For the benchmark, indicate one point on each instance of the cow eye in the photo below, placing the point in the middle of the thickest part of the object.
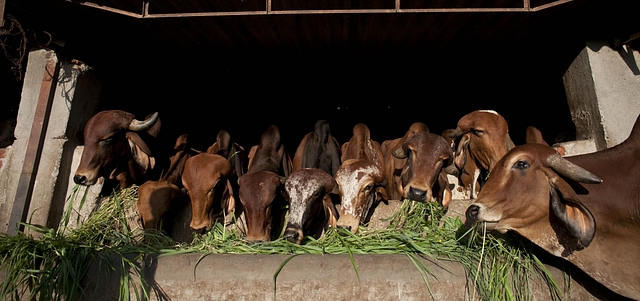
(367, 188)
(106, 140)
(521, 164)
(477, 132)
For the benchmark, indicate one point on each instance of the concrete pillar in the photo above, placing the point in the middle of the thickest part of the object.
(57, 99)
(603, 91)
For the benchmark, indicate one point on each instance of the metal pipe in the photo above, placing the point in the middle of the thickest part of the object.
(526, 7)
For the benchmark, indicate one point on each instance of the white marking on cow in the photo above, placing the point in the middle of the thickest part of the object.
(351, 183)
(299, 190)
(489, 111)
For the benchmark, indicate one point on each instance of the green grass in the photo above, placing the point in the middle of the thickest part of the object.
(52, 266)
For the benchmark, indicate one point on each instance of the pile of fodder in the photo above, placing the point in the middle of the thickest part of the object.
(51, 267)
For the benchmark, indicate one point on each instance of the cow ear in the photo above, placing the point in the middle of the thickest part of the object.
(443, 182)
(399, 153)
(214, 148)
(140, 152)
(566, 205)
(229, 200)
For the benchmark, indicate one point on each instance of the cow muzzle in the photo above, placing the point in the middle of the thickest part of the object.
(85, 179)
(348, 222)
(418, 195)
(473, 215)
(294, 235)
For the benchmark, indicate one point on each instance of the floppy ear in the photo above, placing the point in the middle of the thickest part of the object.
(330, 211)
(214, 148)
(443, 182)
(140, 152)
(566, 205)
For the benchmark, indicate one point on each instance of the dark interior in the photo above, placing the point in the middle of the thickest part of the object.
(388, 70)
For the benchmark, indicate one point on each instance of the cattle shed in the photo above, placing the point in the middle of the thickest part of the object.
(568, 67)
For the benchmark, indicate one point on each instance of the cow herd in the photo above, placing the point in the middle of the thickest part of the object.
(581, 208)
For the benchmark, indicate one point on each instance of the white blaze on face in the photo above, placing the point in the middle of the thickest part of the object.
(351, 183)
(300, 190)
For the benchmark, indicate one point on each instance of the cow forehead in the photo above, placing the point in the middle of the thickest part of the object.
(301, 185)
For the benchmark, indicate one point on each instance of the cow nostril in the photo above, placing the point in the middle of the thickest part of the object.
(472, 212)
(417, 194)
(79, 179)
(348, 228)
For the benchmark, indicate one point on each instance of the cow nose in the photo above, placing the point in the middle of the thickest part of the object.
(293, 237)
(348, 228)
(80, 179)
(417, 194)
(472, 212)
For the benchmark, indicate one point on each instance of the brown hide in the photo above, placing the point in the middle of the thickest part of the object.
(311, 210)
(360, 178)
(393, 166)
(114, 148)
(261, 199)
(581, 208)
(422, 176)
(484, 139)
(226, 147)
(155, 197)
(261, 187)
(318, 149)
(205, 179)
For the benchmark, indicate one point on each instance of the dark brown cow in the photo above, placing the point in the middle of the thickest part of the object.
(205, 178)
(360, 178)
(155, 197)
(261, 187)
(311, 210)
(423, 177)
(581, 208)
(116, 146)
(393, 165)
(484, 139)
(318, 149)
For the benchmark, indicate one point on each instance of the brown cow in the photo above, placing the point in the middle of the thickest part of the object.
(205, 178)
(484, 139)
(318, 149)
(311, 210)
(155, 197)
(261, 187)
(423, 178)
(393, 165)
(360, 178)
(116, 146)
(582, 208)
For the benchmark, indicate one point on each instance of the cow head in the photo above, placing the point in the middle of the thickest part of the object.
(426, 154)
(154, 200)
(360, 182)
(260, 195)
(487, 137)
(310, 207)
(527, 193)
(205, 179)
(112, 145)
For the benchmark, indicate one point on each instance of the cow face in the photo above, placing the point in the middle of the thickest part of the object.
(154, 200)
(310, 207)
(425, 154)
(110, 145)
(526, 195)
(205, 179)
(488, 138)
(260, 195)
(360, 182)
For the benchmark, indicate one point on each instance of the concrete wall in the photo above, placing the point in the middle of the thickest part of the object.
(603, 91)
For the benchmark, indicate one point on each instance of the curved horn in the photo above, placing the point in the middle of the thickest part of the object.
(571, 170)
(137, 125)
(456, 133)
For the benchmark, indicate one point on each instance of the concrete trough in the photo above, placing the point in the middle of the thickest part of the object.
(309, 277)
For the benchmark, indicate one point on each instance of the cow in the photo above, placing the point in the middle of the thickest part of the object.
(581, 208)
(394, 165)
(423, 178)
(155, 197)
(205, 177)
(318, 149)
(483, 138)
(120, 147)
(360, 179)
(311, 209)
(261, 187)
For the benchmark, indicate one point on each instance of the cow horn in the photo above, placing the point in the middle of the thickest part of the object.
(137, 125)
(571, 170)
(456, 133)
